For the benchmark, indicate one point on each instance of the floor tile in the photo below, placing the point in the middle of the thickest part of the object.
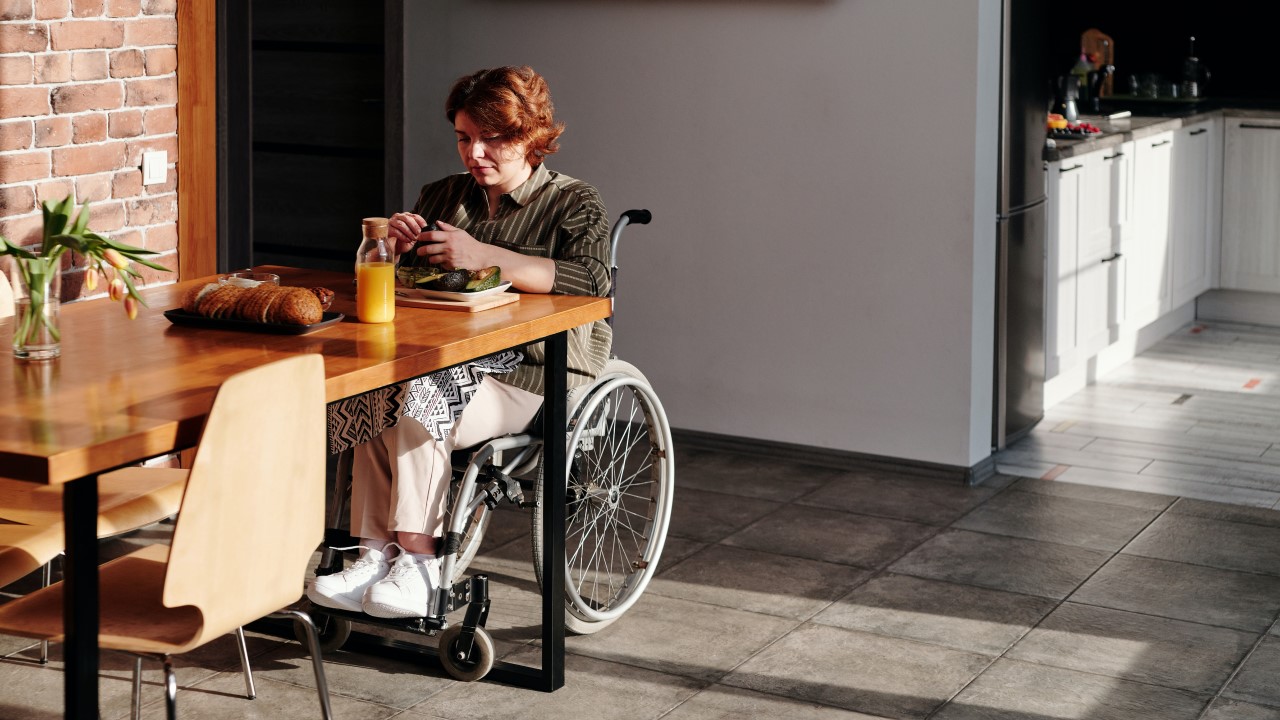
(1069, 521)
(720, 702)
(1227, 709)
(1206, 541)
(394, 683)
(1012, 690)
(1221, 511)
(864, 541)
(753, 476)
(1227, 598)
(1002, 563)
(1130, 646)
(1113, 496)
(962, 617)
(859, 671)
(222, 696)
(1181, 487)
(1256, 681)
(680, 637)
(750, 579)
(592, 688)
(923, 501)
(710, 516)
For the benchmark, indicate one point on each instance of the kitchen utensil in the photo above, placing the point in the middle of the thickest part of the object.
(1195, 75)
(1068, 93)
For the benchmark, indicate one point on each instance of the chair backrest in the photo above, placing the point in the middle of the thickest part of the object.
(253, 512)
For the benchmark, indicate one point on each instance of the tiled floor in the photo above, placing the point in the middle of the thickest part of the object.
(1198, 416)
(808, 593)
(814, 594)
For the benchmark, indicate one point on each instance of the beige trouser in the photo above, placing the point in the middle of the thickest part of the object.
(400, 479)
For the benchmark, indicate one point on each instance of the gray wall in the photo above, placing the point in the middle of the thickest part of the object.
(822, 180)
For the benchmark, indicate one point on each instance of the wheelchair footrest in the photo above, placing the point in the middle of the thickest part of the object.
(419, 626)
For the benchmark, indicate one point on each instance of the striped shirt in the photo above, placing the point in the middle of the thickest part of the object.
(550, 215)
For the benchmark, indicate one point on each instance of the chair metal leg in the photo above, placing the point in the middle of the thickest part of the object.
(46, 579)
(137, 688)
(249, 691)
(317, 661)
(170, 690)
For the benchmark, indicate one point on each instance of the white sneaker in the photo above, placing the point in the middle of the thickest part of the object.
(407, 589)
(345, 590)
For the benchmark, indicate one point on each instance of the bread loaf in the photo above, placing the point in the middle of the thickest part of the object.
(264, 303)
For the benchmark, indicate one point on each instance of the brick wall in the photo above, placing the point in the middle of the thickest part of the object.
(86, 87)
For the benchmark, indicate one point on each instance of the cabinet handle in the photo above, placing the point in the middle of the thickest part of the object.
(1162, 142)
(1201, 131)
(1113, 157)
(1115, 256)
(1067, 170)
(1253, 126)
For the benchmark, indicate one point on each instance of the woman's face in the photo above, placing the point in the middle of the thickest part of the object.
(493, 162)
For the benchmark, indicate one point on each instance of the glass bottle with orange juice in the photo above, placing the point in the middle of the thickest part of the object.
(375, 274)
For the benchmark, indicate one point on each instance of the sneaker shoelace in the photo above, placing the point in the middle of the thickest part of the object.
(403, 566)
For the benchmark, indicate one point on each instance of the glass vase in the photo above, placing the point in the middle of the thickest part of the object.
(37, 290)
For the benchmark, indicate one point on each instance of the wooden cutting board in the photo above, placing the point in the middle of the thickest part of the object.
(487, 302)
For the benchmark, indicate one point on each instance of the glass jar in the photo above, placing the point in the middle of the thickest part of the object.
(375, 274)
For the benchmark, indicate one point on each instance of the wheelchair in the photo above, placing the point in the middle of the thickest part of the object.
(619, 484)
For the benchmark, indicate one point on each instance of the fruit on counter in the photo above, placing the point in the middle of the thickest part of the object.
(1057, 121)
(451, 281)
(485, 279)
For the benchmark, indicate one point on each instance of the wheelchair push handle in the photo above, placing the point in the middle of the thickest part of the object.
(637, 217)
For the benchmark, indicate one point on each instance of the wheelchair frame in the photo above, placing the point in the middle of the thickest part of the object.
(466, 651)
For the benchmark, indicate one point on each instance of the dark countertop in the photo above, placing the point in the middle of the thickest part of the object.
(1115, 132)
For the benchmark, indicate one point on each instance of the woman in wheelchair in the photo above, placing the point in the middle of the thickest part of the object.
(548, 233)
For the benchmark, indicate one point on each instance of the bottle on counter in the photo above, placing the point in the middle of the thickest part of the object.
(375, 274)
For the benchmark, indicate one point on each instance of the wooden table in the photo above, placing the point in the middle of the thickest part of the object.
(124, 391)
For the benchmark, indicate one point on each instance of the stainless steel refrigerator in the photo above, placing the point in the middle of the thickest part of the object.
(1025, 95)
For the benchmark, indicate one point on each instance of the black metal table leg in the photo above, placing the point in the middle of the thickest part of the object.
(555, 464)
(80, 598)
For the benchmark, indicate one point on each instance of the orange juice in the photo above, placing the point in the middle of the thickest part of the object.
(375, 292)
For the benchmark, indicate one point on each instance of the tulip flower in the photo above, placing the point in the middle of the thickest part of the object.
(91, 279)
(117, 289)
(113, 256)
(130, 306)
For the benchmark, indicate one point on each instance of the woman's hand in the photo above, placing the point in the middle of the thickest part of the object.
(404, 228)
(453, 248)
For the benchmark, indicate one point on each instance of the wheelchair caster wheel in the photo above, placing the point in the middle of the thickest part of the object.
(460, 665)
(334, 632)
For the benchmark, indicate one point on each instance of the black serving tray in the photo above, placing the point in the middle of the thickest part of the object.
(178, 316)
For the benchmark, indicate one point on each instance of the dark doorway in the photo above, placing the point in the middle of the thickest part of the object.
(311, 110)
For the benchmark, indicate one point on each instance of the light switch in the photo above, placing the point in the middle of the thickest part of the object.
(155, 165)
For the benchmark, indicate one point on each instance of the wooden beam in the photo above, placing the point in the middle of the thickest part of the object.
(197, 138)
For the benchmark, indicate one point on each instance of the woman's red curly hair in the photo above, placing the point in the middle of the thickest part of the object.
(512, 102)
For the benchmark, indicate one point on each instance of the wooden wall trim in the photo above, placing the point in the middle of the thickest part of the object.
(197, 165)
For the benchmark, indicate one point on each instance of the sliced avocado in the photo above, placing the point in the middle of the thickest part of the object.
(451, 281)
(428, 275)
(485, 279)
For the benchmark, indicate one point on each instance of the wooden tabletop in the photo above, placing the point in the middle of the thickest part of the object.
(127, 390)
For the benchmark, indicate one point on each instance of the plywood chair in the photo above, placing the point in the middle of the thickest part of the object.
(251, 517)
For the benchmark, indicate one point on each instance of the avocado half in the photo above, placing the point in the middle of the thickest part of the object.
(484, 279)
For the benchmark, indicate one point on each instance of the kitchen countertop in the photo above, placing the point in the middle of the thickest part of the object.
(1115, 132)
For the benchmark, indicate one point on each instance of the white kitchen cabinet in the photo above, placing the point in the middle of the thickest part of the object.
(1193, 218)
(1089, 201)
(1251, 205)
(1100, 266)
(1065, 192)
(1145, 240)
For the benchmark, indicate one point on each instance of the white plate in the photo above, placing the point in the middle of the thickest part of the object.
(443, 295)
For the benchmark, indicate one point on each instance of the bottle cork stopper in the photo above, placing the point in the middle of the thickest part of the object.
(375, 227)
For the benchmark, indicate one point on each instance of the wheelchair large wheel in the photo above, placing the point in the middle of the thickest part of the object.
(620, 482)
